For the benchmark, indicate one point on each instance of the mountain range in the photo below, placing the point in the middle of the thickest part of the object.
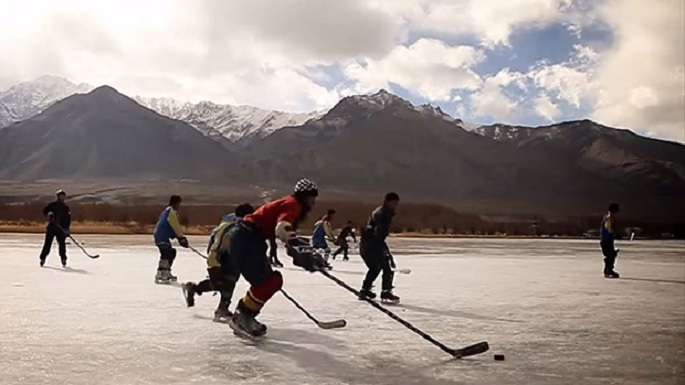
(364, 146)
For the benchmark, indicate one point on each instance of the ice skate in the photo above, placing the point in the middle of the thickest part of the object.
(42, 262)
(245, 324)
(172, 278)
(366, 294)
(276, 263)
(189, 293)
(162, 277)
(611, 274)
(222, 315)
(64, 264)
(388, 297)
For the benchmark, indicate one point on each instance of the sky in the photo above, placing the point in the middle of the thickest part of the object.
(531, 62)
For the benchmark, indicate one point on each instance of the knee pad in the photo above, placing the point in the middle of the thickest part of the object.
(264, 291)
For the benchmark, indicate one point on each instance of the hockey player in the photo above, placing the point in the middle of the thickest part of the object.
(607, 234)
(59, 221)
(247, 252)
(168, 227)
(341, 241)
(322, 233)
(220, 279)
(374, 250)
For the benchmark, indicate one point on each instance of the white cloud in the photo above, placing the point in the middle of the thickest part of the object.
(491, 101)
(492, 21)
(194, 50)
(546, 108)
(429, 68)
(641, 75)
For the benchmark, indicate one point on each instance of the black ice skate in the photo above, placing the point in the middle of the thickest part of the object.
(388, 297)
(162, 277)
(366, 294)
(244, 324)
(276, 263)
(189, 293)
(222, 315)
(42, 262)
(611, 274)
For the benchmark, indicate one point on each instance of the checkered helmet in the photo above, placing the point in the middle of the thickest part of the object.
(306, 187)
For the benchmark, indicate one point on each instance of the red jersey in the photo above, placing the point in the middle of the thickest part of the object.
(286, 209)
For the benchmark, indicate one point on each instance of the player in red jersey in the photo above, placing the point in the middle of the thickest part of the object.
(247, 255)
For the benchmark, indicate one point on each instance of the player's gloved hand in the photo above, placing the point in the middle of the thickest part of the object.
(183, 241)
(51, 217)
(391, 260)
(303, 254)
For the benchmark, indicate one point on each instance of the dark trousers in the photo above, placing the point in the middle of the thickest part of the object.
(222, 281)
(610, 255)
(51, 233)
(247, 257)
(342, 247)
(376, 260)
(167, 254)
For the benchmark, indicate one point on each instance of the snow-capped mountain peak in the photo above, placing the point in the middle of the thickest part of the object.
(29, 98)
(237, 124)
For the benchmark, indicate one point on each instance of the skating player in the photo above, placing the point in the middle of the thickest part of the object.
(607, 234)
(375, 252)
(341, 241)
(220, 279)
(59, 221)
(323, 232)
(247, 252)
(168, 227)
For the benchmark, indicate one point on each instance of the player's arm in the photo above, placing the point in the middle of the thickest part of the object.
(327, 229)
(175, 223)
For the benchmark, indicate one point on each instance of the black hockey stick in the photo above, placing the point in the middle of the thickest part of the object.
(471, 350)
(341, 323)
(77, 243)
(197, 252)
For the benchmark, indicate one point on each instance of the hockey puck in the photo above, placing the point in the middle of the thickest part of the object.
(499, 357)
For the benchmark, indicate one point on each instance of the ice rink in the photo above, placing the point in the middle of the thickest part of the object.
(542, 303)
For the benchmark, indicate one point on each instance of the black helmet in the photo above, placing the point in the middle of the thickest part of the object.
(243, 209)
(60, 192)
(306, 187)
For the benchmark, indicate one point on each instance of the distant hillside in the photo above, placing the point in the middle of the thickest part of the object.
(104, 134)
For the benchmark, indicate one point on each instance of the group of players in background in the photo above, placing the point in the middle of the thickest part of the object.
(238, 247)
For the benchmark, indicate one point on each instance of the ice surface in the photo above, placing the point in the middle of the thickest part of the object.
(542, 303)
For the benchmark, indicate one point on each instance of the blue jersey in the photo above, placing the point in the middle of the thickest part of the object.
(168, 226)
(606, 228)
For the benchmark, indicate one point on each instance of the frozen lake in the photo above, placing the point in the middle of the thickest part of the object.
(542, 303)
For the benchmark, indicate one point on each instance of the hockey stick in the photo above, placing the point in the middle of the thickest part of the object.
(197, 252)
(471, 350)
(77, 243)
(402, 271)
(341, 323)
(322, 324)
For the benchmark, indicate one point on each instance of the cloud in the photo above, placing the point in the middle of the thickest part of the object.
(493, 22)
(224, 51)
(429, 68)
(491, 101)
(546, 108)
(641, 75)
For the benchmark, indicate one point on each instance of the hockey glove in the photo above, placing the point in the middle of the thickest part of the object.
(303, 255)
(391, 260)
(183, 241)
